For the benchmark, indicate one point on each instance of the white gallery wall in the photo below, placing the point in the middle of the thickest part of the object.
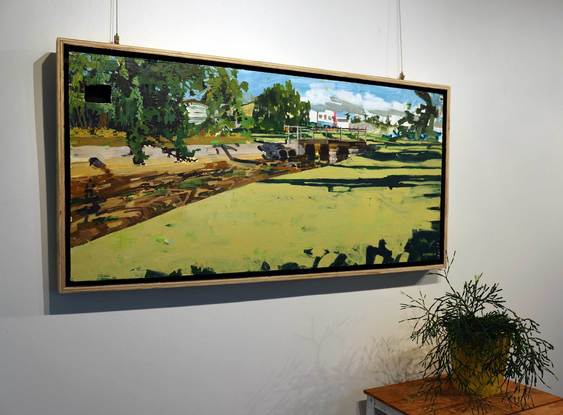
(280, 348)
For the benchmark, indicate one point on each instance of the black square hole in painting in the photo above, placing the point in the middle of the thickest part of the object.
(97, 93)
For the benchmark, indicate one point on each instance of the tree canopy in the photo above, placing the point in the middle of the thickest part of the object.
(150, 100)
(279, 105)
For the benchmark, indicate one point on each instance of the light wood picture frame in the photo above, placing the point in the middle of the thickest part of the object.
(177, 169)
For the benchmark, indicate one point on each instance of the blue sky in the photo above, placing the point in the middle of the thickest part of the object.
(319, 91)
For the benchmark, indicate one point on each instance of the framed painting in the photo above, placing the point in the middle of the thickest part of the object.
(178, 169)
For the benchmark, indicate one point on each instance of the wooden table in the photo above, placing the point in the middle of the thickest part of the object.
(406, 399)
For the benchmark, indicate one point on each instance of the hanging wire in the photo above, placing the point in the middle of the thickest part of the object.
(116, 36)
(400, 27)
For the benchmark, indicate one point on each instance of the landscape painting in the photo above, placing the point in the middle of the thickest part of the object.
(177, 169)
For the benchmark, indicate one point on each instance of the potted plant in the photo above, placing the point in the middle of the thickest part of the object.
(476, 343)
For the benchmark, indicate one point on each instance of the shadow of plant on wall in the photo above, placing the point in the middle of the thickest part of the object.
(397, 360)
(329, 380)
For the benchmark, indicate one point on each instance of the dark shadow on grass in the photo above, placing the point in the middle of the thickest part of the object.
(429, 145)
(385, 167)
(391, 181)
(432, 195)
(404, 156)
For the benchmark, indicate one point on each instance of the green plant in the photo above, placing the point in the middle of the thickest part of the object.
(492, 337)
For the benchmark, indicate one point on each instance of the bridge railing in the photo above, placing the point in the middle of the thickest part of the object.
(299, 132)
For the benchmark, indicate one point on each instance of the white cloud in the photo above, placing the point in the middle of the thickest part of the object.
(348, 96)
(319, 94)
(370, 103)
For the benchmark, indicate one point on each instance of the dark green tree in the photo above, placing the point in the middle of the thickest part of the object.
(419, 125)
(224, 100)
(86, 69)
(150, 101)
(151, 105)
(280, 105)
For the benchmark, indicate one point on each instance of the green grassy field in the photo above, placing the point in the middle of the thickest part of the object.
(341, 208)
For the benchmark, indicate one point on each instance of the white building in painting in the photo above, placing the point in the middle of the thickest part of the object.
(342, 121)
(325, 118)
(393, 119)
(354, 116)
